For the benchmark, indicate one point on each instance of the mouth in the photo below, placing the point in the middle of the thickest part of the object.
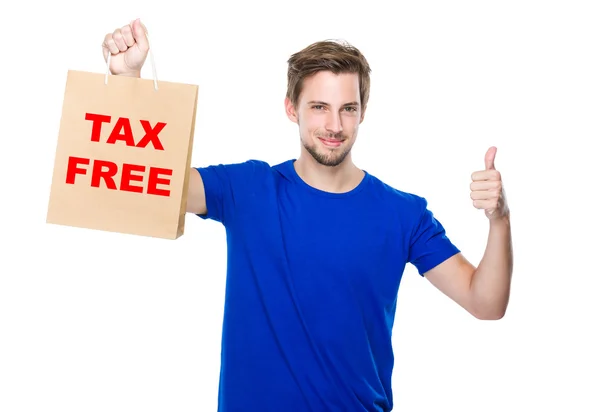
(331, 142)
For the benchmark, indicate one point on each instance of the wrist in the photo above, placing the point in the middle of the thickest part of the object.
(501, 221)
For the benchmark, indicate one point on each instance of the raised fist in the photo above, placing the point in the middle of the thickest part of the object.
(129, 47)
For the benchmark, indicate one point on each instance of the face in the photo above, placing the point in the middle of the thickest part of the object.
(328, 115)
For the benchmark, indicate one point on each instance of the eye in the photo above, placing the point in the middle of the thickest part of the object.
(351, 108)
(318, 107)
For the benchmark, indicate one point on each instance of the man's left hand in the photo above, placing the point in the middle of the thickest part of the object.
(487, 190)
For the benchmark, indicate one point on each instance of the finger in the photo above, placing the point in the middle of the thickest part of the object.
(486, 185)
(485, 204)
(127, 34)
(489, 158)
(139, 35)
(109, 44)
(118, 39)
(485, 195)
(486, 175)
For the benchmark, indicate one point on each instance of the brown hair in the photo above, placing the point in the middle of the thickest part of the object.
(328, 55)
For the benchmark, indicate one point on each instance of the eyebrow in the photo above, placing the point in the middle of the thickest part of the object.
(327, 104)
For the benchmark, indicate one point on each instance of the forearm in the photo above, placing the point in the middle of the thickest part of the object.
(490, 285)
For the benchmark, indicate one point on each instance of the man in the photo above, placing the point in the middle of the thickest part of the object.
(317, 248)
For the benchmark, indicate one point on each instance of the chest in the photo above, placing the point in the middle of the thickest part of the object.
(343, 249)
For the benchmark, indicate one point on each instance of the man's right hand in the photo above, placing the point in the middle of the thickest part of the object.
(129, 48)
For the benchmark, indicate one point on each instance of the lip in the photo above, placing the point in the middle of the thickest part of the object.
(331, 142)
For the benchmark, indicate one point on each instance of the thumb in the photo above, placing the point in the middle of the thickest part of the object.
(489, 158)
(140, 35)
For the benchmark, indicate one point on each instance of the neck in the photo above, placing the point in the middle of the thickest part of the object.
(334, 179)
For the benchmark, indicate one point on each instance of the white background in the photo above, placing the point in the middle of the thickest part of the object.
(93, 321)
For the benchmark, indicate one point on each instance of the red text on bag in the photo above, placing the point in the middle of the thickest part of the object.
(105, 170)
(122, 131)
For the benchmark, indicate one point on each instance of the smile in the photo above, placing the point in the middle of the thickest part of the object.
(331, 142)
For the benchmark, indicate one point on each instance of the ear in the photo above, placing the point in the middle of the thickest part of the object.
(290, 110)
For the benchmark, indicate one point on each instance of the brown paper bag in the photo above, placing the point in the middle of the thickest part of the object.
(123, 155)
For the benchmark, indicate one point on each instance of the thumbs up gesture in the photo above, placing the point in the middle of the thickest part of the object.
(487, 190)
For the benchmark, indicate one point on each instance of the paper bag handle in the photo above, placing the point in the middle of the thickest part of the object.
(151, 63)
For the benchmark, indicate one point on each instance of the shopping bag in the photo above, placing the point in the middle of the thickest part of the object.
(123, 155)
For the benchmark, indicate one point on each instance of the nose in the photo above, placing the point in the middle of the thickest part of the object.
(334, 123)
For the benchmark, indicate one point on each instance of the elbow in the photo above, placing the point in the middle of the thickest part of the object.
(489, 308)
(491, 316)
(489, 313)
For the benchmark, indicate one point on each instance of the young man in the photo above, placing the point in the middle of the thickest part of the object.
(317, 247)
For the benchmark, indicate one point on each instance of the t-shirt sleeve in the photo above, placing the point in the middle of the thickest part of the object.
(429, 244)
(223, 187)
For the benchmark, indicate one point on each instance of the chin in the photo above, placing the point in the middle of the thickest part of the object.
(327, 156)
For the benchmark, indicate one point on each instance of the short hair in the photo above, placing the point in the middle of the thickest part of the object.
(336, 56)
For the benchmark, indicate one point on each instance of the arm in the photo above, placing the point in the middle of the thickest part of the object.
(483, 290)
(196, 201)
(219, 192)
(490, 285)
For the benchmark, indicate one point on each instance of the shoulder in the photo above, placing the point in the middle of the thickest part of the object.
(251, 165)
(397, 198)
(244, 171)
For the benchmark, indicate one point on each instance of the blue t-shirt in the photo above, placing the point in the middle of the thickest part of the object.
(312, 282)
